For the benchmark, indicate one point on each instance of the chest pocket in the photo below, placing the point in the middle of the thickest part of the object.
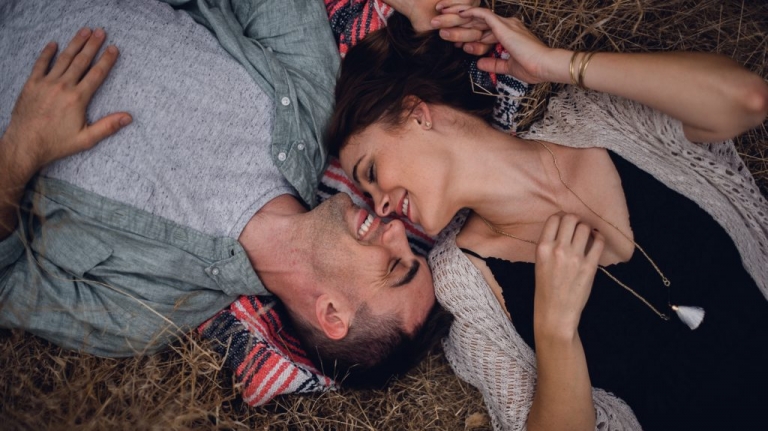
(70, 247)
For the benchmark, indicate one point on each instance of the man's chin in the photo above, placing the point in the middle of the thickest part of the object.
(340, 202)
(337, 210)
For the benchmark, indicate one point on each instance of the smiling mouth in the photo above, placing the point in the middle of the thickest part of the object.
(365, 226)
(405, 207)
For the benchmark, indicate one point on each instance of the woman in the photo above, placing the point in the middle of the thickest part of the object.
(602, 183)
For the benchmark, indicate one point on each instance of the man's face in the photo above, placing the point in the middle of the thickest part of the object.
(369, 261)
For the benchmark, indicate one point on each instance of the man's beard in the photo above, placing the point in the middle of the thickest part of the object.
(328, 235)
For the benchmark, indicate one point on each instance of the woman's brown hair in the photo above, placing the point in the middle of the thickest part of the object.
(390, 64)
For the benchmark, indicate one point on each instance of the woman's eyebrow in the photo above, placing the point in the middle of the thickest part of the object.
(354, 171)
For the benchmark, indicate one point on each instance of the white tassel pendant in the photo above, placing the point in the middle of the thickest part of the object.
(691, 316)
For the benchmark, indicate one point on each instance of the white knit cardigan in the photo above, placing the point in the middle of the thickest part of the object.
(483, 346)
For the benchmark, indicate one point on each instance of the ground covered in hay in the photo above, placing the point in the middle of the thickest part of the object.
(44, 387)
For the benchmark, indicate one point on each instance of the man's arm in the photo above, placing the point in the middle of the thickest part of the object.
(48, 121)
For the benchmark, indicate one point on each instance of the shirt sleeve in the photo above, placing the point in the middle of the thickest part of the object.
(288, 49)
(11, 249)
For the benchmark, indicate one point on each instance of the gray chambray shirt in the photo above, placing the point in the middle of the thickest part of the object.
(94, 274)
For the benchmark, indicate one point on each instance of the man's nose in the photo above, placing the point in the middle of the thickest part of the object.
(394, 237)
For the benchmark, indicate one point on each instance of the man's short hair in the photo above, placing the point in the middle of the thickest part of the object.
(375, 349)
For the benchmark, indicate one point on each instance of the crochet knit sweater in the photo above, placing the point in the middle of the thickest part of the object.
(483, 346)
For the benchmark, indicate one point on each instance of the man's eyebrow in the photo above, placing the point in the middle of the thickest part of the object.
(409, 276)
(354, 170)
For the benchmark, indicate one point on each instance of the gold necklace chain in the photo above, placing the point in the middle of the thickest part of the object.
(664, 279)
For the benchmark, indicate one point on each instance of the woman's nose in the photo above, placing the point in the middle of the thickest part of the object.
(383, 208)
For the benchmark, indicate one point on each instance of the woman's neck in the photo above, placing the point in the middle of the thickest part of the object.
(506, 180)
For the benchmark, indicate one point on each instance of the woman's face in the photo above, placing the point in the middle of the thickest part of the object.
(404, 170)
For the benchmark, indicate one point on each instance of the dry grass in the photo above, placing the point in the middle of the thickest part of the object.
(44, 387)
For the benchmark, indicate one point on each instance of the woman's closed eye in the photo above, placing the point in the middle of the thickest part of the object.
(371, 176)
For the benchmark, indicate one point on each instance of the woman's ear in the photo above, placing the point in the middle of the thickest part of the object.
(420, 112)
(333, 317)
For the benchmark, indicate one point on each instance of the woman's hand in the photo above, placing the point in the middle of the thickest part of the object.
(48, 121)
(713, 96)
(530, 60)
(566, 261)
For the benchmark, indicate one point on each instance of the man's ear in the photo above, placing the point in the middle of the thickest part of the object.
(333, 317)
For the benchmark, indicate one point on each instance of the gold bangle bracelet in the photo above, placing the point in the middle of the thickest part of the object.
(583, 68)
(572, 69)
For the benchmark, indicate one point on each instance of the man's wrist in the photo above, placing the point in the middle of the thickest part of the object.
(18, 163)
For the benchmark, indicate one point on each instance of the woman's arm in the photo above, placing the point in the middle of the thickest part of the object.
(48, 121)
(485, 351)
(566, 261)
(713, 96)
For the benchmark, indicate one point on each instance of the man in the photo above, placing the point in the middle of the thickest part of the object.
(123, 245)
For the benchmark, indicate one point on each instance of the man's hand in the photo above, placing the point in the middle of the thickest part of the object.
(422, 12)
(464, 32)
(48, 121)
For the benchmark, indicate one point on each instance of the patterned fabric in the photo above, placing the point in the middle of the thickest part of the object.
(253, 334)
(260, 349)
(351, 20)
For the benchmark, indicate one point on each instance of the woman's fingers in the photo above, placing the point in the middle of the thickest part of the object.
(582, 237)
(567, 229)
(98, 73)
(477, 48)
(493, 65)
(596, 249)
(551, 226)
(493, 21)
(65, 58)
(82, 61)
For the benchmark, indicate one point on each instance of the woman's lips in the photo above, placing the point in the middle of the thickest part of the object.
(404, 207)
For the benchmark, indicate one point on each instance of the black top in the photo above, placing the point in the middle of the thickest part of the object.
(715, 377)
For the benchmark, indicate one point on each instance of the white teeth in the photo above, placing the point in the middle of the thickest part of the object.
(405, 207)
(365, 226)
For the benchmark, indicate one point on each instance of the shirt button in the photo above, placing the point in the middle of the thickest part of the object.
(281, 157)
(285, 101)
(269, 48)
(215, 271)
(300, 147)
